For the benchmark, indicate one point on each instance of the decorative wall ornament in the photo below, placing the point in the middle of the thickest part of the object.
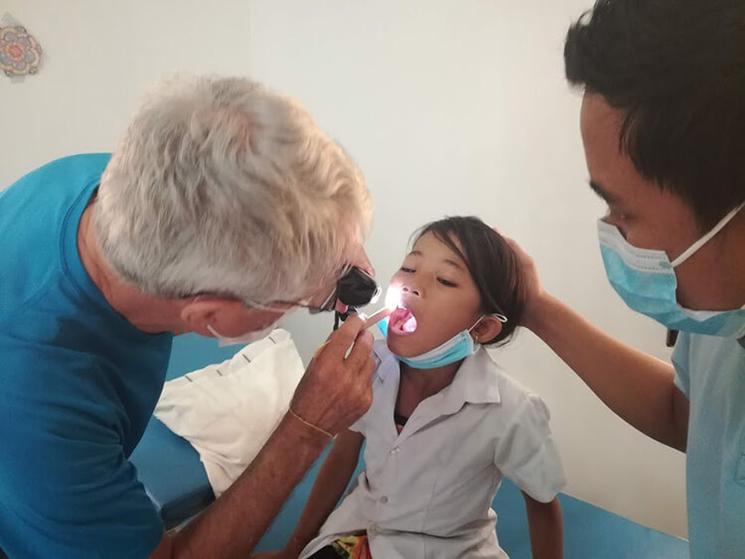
(20, 52)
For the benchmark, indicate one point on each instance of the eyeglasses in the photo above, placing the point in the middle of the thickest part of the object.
(354, 288)
(329, 304)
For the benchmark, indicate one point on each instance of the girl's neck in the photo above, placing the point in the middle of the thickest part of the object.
(427, 382)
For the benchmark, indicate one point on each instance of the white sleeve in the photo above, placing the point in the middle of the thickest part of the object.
(680, 359)
(360, 425)
(527, 455)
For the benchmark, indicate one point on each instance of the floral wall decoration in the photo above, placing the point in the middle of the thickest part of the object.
(20, 52)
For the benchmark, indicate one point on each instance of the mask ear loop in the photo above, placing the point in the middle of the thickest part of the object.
(500, 317)
(210, 328)
(706, 238)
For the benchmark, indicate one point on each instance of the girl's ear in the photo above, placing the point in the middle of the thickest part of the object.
(487, 329)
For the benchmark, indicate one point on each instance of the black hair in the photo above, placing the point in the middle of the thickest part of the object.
(492, 263)
(676, 71)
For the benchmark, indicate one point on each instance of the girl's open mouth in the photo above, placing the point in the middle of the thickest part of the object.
(402, 322)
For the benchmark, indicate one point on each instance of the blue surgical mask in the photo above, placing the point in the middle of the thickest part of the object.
(453, 350)
(645, 279)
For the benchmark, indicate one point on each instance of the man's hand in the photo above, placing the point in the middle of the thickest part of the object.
(637, 387)
(336, 389)
(535, 295)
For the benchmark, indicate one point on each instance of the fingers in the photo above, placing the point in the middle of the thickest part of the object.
(360, 352)
(516, 247)
(372, 366)
(513, 245)
(340, 341)
(524, 259)
(510, 241)
(320, 349)
(376, 317)
(337, 387)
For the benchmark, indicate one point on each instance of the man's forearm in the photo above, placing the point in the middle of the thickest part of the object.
(332, 480)
(233, 524)
(636, 386)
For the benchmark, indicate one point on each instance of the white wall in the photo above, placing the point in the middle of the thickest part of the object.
(100, 56)
(449, 108)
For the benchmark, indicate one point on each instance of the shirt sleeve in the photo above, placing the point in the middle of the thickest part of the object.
(360, 426)
(680, 362)
(66, 488)
(527, 455)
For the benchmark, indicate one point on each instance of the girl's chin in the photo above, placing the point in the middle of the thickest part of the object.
(404, 346)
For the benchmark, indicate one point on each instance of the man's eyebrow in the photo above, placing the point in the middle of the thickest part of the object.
(604, 194)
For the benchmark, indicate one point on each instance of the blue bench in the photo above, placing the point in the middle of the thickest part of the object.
(177, 483)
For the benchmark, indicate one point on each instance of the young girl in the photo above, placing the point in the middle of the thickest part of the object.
(446, 422)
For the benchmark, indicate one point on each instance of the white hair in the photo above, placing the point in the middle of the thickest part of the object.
(221, 186)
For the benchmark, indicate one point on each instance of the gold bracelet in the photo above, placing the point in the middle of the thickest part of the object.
(309, 424)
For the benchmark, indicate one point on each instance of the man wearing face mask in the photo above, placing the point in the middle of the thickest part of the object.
(222, 208)
(663, 125)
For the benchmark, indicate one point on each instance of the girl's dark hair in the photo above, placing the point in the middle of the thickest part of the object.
(492, 263)
(676, 71)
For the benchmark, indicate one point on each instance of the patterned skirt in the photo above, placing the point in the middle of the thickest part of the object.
(346, 547)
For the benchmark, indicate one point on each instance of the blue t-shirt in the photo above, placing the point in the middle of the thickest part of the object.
(710, 371)
(78, 383)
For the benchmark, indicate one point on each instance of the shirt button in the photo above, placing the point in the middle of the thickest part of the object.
(372, 528)
(384, 499)
(395, 450)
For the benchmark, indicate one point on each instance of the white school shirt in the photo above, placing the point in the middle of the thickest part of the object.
(427, 492)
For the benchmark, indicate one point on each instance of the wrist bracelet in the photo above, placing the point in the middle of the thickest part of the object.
(309, 424)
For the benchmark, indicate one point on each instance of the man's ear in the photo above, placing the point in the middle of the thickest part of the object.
(201, 312)
(487, 329)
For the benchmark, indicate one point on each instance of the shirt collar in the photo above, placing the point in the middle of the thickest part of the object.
(476, 382)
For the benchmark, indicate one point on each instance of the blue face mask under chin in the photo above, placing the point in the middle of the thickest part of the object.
(451, 351)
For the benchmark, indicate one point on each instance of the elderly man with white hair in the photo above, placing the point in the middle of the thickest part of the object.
(223, 207)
